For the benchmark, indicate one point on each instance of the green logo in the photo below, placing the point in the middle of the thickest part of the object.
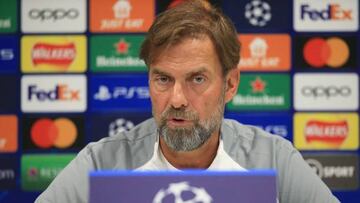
(262, 92)
(37, 171)
(8, 16)
(116, 54)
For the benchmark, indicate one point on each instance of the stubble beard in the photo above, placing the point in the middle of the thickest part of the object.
(183, 139)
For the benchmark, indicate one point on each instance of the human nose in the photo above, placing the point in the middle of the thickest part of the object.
(178, 99)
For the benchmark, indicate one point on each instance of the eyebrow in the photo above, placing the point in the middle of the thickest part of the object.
(195, 72)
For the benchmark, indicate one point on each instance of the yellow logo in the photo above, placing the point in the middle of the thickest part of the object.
(43, 54)
(326, 131)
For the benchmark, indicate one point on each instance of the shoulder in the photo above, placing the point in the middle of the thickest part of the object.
(252, 146)
(125, 150)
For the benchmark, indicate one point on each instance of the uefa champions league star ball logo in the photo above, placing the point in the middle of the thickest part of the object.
(258, 13)
(175, 192)
(119, 125)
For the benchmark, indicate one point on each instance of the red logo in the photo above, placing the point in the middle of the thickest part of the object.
(329, 132)
(122, 47)
(258, 85)
(59, 55)
(61, 133)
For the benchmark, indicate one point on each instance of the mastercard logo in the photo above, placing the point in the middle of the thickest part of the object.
(332, 52)
(60, 133)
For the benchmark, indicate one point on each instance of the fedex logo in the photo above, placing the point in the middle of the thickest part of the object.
(60, 92)
(53, 93)
(326, 15)
(332, 12)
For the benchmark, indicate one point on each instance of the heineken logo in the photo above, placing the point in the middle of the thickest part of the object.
(262, 92)
(122, 47)
(116, 54)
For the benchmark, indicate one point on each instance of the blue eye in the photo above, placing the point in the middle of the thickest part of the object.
(162, 79)
(199, 79)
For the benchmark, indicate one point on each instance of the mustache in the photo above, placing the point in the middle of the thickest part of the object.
(179, 113)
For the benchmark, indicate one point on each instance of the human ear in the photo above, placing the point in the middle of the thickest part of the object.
(232, 82)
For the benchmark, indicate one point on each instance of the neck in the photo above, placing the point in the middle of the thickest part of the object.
(200, 158)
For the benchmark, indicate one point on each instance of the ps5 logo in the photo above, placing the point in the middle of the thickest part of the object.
(133, 92)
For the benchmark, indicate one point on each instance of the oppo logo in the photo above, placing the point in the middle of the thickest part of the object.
(50, 14)
(330, 91)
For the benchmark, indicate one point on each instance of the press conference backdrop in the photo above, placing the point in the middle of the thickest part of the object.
(70, 74)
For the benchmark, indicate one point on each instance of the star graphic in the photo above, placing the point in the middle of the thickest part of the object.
(122, 47)
(258, 85)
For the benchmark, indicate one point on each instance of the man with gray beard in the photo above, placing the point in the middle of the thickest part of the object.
(192, 53)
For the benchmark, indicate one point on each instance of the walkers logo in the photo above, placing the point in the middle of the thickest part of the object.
(9, 54)
(37, 171)
(54, 93)
(8, 173)
(53, 132)
(333, 53)
(53, 16)
(8, 133)
(324, 91)
(121, 15)
(265, 52)
(8, 16)
(326, 131)
(125, 92)
(9, 93)
(53, 54)
(113, 124)
(258, 15)
(326, 15)
(277, 124)
(262, 92)
(114, 53)
(338, 171)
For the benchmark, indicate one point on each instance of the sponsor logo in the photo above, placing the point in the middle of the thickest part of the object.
(265, 52)
(8, 16)
(9, 54)
(258, 12)
(262, 92)
(8, 133)
(320, 92)
(53, 132)
(121, 15)
(274, 123)
(132, 92)
(332, 52)
(326, 131)
(199, 194)
(113, 124)
(60, 55)
(51, 16)
(129, 92)
(116, 54)
(9, 93)
(37, 171)
(8, 173)
(58, 93)
(328, 15)
(53, 54)
(337, 171)
(330, 132)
